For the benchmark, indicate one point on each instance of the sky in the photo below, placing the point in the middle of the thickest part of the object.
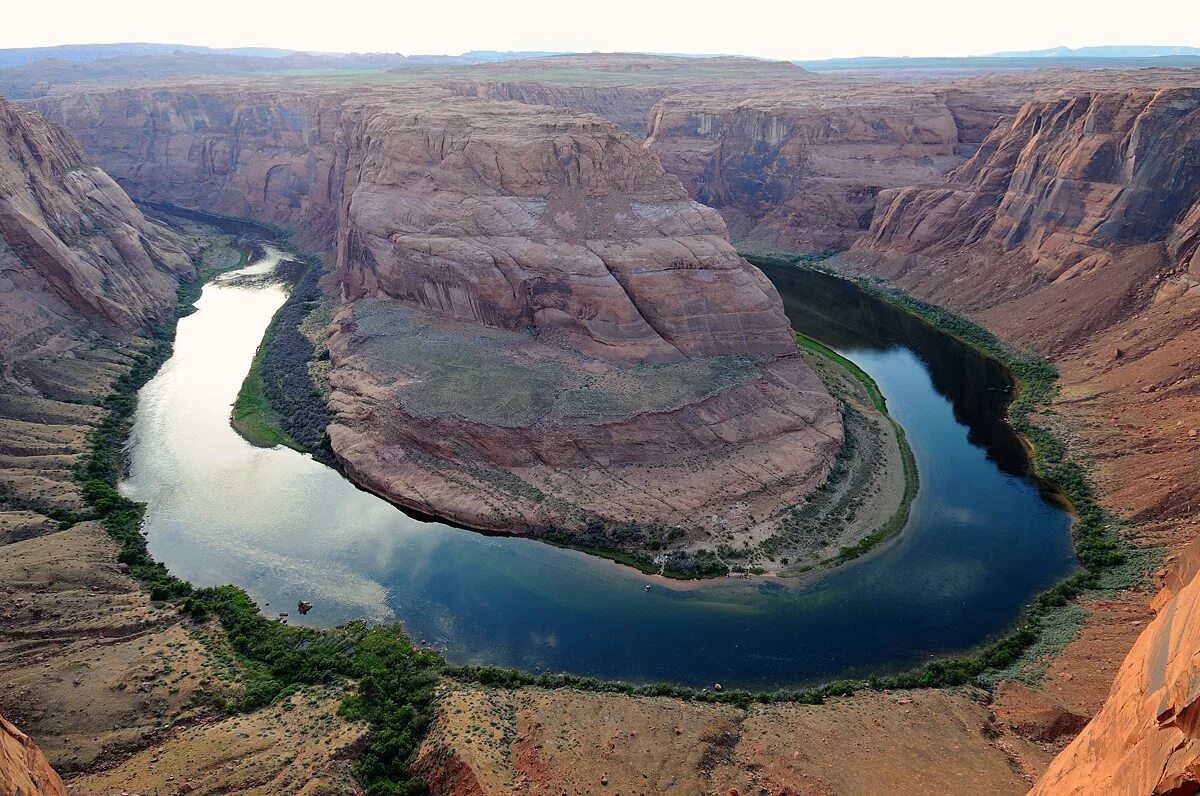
(793, 30)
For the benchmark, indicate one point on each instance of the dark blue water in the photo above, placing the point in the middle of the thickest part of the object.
(981, 542)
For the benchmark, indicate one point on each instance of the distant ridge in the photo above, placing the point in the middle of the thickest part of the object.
(1004, 62)
(1111, 51)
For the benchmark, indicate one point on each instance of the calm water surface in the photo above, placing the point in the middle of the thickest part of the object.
(981, 541)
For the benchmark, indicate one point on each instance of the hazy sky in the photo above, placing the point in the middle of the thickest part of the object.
(795, 29)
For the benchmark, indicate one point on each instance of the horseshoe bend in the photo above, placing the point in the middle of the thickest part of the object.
(874, 380)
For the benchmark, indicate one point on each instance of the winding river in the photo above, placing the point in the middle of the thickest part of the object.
(981, 542)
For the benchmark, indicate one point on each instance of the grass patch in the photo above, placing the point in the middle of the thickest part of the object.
(278, 403)
(868, 383)
(253, 416)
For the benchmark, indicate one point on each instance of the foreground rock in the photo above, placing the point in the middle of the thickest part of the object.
(23, 767)
(1145, 738)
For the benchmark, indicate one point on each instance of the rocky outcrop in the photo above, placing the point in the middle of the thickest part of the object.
(541, 331)
(1146, 738)
(1073, 230)
(581, 342)
(628, 106)
(1066, 183)
(23, 768)
(620, 87)
(77, 257)
(800, 169)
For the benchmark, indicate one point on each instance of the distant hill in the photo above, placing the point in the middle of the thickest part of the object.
(986, 63)
(1113, 51)
(84, 53)
(31, 72)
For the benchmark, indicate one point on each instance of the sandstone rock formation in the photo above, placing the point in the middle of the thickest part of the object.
(541, 329)
(1067, 183)
(1145, 740)
(23, 767)
(620, 87)
(799, 169)
(77, 258)
(647, 374)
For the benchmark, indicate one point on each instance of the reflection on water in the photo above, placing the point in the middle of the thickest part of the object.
(980, 543)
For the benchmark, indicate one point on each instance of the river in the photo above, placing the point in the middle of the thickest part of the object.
(981, 541)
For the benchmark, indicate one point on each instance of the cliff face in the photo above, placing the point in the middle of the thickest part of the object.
(539, 326)
(252, 154)
(800, 169)
(628, 106)
(77, 258)
(23, 768)
(1066, 183)
(1146, 738)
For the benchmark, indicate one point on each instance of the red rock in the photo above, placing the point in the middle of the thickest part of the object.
(77, 257)
(544, 252)
(23, 768)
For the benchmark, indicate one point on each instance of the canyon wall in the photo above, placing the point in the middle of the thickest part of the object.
(627, 106)
(233, 150)
(1072, 230)
(539, 327)
(800, 169)
(77, 258)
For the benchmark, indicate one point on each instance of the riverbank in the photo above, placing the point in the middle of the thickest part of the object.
(883, 510)
(283, 400)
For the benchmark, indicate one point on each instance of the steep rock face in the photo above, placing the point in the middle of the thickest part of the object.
(801, 168)
(23, 768)
(628, 106)
(640, 371)
(540, 327)
(620, 87)
(1073, 230)
(77, 258)
(231, 150)
(1065, 185)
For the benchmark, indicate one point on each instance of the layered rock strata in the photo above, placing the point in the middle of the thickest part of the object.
(78, 260)
(800, 170)
(541, 331)
(1073, 231)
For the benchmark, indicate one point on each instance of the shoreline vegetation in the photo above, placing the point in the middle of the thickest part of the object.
(1108, 561)
(395, 683)
(278, 403)
(896, 522)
